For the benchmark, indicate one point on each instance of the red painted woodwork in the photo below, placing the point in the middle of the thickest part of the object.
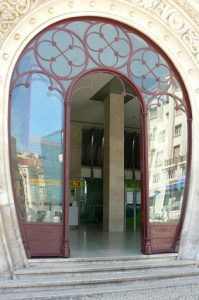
(162, 237)
(133, 66)
(43, 239)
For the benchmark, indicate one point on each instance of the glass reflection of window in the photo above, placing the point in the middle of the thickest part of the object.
(156, 178)
(159, 158)
(176, 152)
(153, 112)
(178, 129)
(171, 173)
(161, 136)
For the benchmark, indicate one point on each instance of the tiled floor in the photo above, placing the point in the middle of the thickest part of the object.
(91, 241)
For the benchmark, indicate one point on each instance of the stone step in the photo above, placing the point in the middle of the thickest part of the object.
(70, 269)
(100, 278)
(59, 261)
(105, 277)
(163, 288)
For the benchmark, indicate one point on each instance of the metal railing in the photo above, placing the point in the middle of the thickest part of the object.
(175, 160)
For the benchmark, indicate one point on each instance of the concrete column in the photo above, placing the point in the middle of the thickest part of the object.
(75, 151)
(113, 208)
(75, 156)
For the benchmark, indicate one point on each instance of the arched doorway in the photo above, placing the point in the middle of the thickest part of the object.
(50, 65)
(105, 186)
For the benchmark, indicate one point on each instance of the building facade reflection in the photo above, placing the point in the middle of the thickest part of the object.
(167, 160)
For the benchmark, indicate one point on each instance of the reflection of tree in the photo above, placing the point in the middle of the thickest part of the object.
(20, 197)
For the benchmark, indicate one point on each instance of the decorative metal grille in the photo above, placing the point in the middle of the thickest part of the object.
(66, 50)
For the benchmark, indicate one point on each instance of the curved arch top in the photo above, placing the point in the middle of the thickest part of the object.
(63, 51)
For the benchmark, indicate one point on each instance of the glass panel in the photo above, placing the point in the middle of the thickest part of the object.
(67, 49)
(37, 149)
(167, 160)
(63, 52)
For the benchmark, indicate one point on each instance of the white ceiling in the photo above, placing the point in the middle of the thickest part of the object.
(91, 112)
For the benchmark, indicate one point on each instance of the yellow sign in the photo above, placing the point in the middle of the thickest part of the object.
(76, 183)
(44, 182)
(54, 182)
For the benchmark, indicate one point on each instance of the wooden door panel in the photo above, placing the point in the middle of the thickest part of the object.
(43, 239)
(163, 237)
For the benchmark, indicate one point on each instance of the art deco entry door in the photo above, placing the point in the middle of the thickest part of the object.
(40, 93)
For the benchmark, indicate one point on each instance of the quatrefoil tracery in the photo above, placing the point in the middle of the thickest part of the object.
(108, 45)
(65, 57)
(67, 50)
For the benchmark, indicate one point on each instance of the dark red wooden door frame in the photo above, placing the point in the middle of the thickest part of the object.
(145, 231)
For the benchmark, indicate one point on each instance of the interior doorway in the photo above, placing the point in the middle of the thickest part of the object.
(105, 185)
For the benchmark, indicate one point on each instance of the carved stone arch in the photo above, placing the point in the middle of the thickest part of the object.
(164, 22)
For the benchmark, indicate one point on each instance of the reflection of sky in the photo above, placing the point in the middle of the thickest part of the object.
(45, 110)
(36, 112)
(64, 39)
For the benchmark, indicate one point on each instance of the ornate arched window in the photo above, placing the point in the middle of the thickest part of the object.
(42, 83)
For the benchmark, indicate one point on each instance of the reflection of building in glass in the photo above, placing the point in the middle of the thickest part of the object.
(18, 180)
(38, 179)
(167, 160)
(51, 149)
(30, 170)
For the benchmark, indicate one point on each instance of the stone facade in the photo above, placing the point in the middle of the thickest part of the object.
(171, 24)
